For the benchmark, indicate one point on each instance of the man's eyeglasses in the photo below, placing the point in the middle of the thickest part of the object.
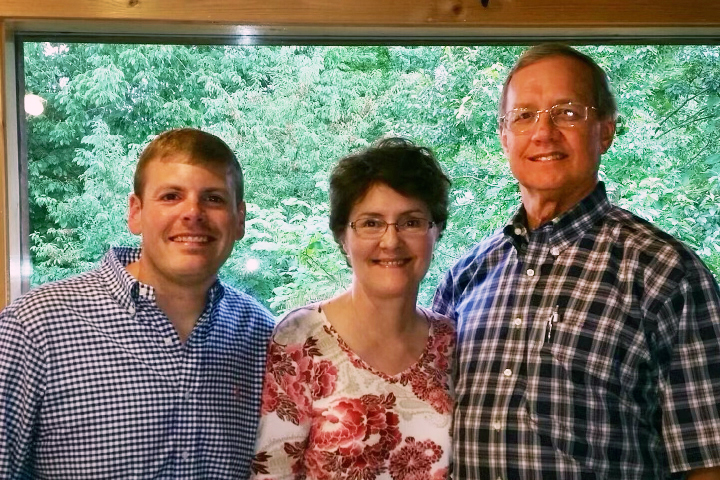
(371, 228)
(564, 115)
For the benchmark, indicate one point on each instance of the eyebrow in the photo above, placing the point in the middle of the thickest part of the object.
(406, 212)
(169, 186)
(560, 101)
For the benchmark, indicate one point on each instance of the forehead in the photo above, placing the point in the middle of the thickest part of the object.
(182, 169)
(383, 199)
(549, 81)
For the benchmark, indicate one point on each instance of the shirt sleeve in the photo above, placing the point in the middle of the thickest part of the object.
(22, 380)
(690, 386)
(444, 299)
(286, 414)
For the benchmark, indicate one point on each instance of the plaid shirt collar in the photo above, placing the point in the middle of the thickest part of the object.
(567, 227)
(127, 290)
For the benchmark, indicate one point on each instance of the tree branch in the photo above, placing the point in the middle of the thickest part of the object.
(680, 108)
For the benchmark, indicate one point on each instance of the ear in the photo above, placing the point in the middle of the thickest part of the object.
(240, 226)
(135, 214)
(503, 140)
(607, 134)
(343, 249)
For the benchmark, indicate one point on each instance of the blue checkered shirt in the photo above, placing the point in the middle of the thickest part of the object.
(95, 384)
(588, 348)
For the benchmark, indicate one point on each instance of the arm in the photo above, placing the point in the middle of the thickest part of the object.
(444, 299)
(21, 387)
(285, 416)
(689, 325)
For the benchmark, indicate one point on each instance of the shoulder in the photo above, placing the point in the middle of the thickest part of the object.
(239, 305)
(439, 321)
(48, 301)
(493, 245)
(300, 324)
(650, 247)
(443, 327)
(476, 263)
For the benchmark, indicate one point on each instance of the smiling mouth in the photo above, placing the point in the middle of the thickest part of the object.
(391, 263)
(547, 157)
(191, 239)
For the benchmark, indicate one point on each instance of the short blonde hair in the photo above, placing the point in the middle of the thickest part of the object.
(200, 148)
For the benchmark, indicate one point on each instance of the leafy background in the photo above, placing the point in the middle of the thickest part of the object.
(290, 112)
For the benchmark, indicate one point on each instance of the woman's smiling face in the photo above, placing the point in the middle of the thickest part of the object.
(395, 263)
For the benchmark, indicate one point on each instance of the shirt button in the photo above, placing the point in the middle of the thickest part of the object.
(554, 251)
(518, 231)
(188, 396)
(507, 372)
(185, 455)
(531, 272)
(497, 426)
(168, 341)
(517, 322)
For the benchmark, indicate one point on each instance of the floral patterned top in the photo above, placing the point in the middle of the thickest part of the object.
(327, 414)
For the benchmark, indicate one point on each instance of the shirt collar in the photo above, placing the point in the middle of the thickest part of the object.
(127, 289)
(567, 227)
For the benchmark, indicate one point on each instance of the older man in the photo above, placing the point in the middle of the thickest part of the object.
(147, 367)
(589, 340)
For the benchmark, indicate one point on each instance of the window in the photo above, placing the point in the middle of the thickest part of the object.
(290, 111)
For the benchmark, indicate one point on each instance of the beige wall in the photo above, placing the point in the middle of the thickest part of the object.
(4, 271)
(609, 19)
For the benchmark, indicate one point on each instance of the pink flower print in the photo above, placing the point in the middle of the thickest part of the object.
(414, 460)
(439, 399)
(270, 395)
(302, 361)
(341, 427)
(323, 383)
(441, 474)
(353, 438)
(289, 380)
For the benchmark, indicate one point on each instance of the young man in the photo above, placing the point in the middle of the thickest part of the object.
(589, 341)
(147, 367)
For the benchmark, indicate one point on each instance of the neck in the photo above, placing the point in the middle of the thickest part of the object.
(182, 304)
(389, 335)
(365, 322)
(541, 207)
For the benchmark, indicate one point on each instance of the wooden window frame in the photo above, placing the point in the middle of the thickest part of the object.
(323, 21)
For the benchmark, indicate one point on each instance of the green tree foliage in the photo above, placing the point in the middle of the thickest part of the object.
(291, 111)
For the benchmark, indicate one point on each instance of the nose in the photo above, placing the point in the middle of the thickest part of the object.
(390, 238)
(545, 127)
(193, 210)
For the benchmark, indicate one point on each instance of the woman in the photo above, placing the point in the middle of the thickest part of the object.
(358, 386)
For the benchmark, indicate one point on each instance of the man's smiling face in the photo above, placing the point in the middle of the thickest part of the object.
(189, 220)
(549, 161)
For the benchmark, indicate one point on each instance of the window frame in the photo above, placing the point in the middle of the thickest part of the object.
(14, 252)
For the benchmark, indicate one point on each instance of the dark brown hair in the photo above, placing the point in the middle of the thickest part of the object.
(407, 168)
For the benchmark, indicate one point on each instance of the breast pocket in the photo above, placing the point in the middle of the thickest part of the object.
(585, 377)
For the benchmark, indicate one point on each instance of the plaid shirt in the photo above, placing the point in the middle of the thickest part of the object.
(94, 382)
(588, 349)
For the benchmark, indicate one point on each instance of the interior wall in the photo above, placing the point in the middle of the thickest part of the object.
(607, 19)
(4, 254)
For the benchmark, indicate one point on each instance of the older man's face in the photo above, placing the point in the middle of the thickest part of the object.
(550, 162)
